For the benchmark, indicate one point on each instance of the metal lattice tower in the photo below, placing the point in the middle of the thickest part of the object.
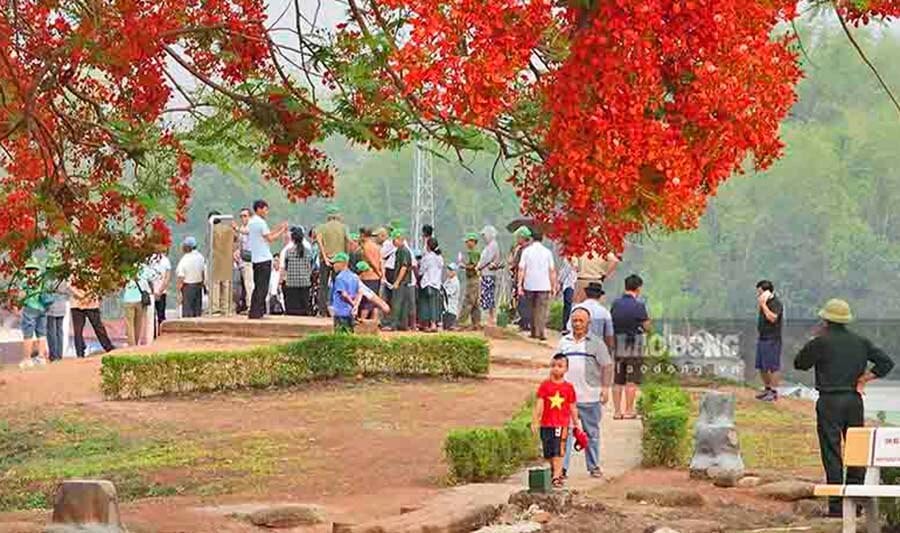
(423, 194)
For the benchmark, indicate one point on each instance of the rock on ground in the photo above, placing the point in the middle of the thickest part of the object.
(521, 527)
(724, 477)
(655, 529)
(556, 502)
(86, 502)
(82, 528)
(287, 516)
(666, 497)
(809, 508)
(786, 491)
(749, 482)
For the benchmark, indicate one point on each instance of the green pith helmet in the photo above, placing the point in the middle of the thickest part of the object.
(362, 266)
(524, 232)
(837, 311)
(332, 210)
(398, 233)
(340, 257)
(471, 236)
(354, 236)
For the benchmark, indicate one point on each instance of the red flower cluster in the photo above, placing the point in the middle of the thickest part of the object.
(642, 107)
(863, 12)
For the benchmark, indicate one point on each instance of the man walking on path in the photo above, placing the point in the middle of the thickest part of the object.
(590, 371)
(259, 237)
(333, 239)
(592, 268)
(190, 276)
(768, 346)
(537, 282)
(841, 360)
(601, 319)
(470, 307)
(630, 323)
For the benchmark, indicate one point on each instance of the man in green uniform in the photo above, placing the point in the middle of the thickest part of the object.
(402, 291)
(332, 239)
(841, 359)
(471, 306)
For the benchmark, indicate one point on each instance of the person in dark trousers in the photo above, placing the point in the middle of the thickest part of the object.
(259, 237)
(841, 360)
(631, 323)
(768, 345)
(86, 307)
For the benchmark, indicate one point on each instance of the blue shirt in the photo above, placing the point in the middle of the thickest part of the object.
(601, 319)
(348, 282)
(257, 229)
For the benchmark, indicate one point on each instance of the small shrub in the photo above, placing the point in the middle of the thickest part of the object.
(489, 454)
(314, 357)
(665, 410)
(555, 319)
(890, 507)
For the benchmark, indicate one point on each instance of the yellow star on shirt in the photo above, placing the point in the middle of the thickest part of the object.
(556, 401)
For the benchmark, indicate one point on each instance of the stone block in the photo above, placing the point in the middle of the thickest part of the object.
(86, 502)
(556, 502)
(716, 443)
(287, 516)
(787, 491)
(666, 497)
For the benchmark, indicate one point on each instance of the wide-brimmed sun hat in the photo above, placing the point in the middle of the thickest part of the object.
(837, 311)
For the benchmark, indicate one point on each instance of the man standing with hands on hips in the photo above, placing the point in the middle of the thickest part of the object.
(259, 237)
(841, 359)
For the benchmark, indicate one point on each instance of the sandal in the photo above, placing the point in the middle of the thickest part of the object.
(618, 417)
(558, 482)
(631, 417)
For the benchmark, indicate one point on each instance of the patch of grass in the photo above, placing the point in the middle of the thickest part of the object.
(773, 437)
(37, 454)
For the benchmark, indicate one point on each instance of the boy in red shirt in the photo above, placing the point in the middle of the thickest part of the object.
(553, 409)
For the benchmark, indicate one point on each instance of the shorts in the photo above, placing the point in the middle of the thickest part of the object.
(629, 370)
(553, 440)
(33, 323)
(768, 355)
(375, 286)
(344, 324)
(488, 298)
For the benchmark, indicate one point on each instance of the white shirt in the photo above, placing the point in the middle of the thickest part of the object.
(388, 254)
(601, 318)
(567, 275)
(191, 267)
(157, 268)
(585, 392)
(451, 287)
(537, 261)
(431, 269)
(259, 247)
(490, 257)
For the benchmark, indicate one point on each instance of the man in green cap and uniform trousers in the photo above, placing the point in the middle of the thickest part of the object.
(471, 306)
(401, 290)
(332, 239)
(841, 359)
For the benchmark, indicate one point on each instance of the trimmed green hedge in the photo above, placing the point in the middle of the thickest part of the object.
(490, 454)
(665, 411)
(314, 357)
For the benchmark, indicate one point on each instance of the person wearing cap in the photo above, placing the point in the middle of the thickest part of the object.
(333, 239)
(471, 308)
(401, 290)
(489, 263)
(537, 282)
(354, 249)
(590, 372)
(451, 297)
(592, 268)
(601, 325)
(190, 275)
(33, 316)
(844, 363)
(345, 294)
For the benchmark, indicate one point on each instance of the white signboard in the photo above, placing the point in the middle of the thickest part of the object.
(886, 451)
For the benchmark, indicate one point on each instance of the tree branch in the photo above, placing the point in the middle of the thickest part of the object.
(865, 58)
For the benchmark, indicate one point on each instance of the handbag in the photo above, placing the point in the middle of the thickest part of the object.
(145, 296)
(275, 307)
(246, 256)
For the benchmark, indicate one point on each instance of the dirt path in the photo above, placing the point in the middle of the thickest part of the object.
(362, 449)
